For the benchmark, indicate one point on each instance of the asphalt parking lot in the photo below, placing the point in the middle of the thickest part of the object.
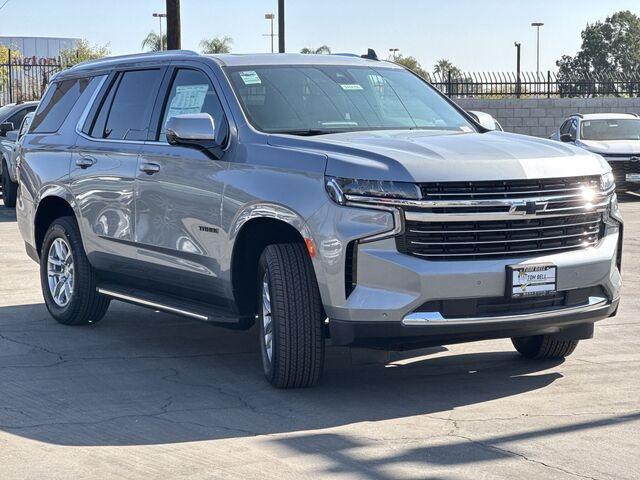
(149, 395)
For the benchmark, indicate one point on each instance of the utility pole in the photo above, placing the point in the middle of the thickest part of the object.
(173, 25)
(518, 84)
(537, 25)
(160, 16)
(271, 17)
(280, 26)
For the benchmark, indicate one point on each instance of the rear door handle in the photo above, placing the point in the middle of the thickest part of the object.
(85, 162)
(150, 168)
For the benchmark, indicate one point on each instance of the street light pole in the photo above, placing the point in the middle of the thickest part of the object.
(394, 53)
(271, 17)
(173, 25)
(537, 25)
(160, 16)
(281, 26)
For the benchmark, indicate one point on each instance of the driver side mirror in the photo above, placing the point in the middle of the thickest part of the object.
(566, 137)
(191, 129)
(5, 127)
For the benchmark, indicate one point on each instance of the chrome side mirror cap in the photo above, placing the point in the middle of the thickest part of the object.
(190, 128)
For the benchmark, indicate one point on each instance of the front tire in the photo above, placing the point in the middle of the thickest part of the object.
(544, 347)
(67, 279)
(291, 317)
(9, 188)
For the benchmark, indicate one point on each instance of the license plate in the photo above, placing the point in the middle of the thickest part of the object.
(633, 177)
(531, 280)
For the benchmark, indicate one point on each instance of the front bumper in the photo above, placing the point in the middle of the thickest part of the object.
(574, 323)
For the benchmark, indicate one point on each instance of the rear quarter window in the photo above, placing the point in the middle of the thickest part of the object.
(57, 103)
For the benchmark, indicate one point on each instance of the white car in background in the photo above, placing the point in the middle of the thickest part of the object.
(615, 136)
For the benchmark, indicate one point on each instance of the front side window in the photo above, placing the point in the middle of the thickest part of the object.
(57, 103)
(126, 110)
(191, 92)
(306, 99)
(618, 129)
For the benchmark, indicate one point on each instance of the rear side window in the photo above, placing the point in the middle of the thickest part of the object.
(56, 105)
(126, 110)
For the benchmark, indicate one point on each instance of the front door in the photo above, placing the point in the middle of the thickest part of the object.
(179, 195)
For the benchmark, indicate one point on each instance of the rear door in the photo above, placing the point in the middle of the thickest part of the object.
(104, 164)
(179, 191)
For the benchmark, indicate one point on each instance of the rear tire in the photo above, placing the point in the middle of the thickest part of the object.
(291, 317)
(9, 188)
(544, 347)
(67, 279)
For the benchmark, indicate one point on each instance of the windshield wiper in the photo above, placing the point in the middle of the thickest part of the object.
(309, 132)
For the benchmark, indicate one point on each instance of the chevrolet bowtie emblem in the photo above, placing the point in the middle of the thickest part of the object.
(528, 208)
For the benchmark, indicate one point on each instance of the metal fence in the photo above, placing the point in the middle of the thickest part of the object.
(544, 84)
(25, 78)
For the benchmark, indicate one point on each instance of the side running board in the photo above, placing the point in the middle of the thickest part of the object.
(187, 308)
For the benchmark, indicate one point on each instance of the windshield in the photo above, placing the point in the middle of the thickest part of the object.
(312, 100)
(619, 129)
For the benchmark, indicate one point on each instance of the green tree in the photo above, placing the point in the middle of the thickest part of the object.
(412, 64)
(321, 50)
(216, 45)
(4, 59)
(83, 51)
(444, 67)
(154, 43)
(610, 46)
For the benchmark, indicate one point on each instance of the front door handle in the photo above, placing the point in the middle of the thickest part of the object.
(85, 162)
(150, 168)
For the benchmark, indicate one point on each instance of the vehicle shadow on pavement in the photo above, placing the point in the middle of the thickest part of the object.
(7, 214)
(141, 377)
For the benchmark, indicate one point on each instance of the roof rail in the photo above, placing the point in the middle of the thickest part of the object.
(135, 55)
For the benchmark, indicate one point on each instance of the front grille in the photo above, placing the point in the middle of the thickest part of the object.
(506, 189)
(468, 220)
(442, 240)
(623, 167)
(498, 306)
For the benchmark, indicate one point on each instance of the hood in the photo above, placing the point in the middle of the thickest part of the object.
(428, 156)
(606, 147)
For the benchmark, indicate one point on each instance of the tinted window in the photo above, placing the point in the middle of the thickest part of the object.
(56, 104)
(565, 127)
(317, 99)
(191, 92)
(17, 117)
(125, 112)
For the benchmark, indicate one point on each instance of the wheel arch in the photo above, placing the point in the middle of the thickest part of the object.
(261, 225)
(50, 207)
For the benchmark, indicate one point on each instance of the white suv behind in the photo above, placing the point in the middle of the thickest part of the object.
(615, 136)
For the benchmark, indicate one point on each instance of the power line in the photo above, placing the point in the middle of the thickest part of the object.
(5, 2)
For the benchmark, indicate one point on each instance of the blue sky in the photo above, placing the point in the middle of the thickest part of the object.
(477, 35)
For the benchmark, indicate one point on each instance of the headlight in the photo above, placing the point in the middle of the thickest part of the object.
(607, 181)
(614, 209)
(339, 188)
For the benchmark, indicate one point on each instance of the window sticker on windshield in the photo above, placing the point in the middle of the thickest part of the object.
(250, 77)
(351, 86)
(188, 99)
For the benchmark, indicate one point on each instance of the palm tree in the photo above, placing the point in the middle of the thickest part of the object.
(216, 45)
(153, 42)
(322, 50)
(444, 67)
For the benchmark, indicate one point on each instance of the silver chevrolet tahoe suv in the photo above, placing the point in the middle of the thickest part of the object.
(322, 197)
